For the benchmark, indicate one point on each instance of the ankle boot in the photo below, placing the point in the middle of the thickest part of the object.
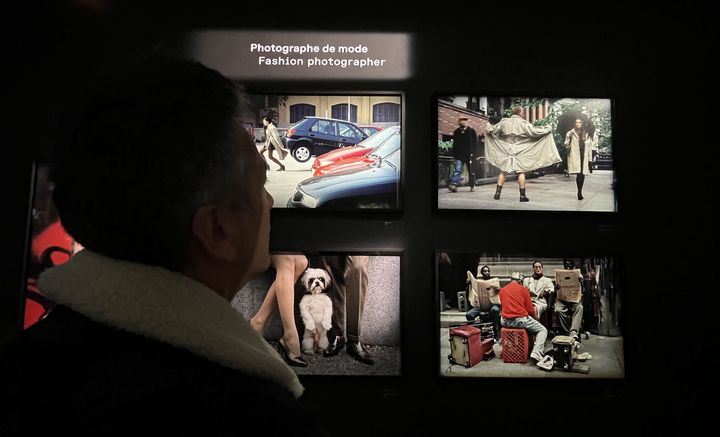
(498, 189)
(523, 198)
(580, 196)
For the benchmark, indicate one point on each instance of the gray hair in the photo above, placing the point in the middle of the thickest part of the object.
(141, 149)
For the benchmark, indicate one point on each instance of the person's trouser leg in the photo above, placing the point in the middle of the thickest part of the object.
(577, 317)
(337, 292)
(540, 306)
(471, 175)
(470, 315)
(495, 312)
(356, 282)
(536, 328)
(455, 180)
(570, 316)
(532, 326)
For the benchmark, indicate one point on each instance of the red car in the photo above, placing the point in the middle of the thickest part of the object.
(333, 161)
(370, 130)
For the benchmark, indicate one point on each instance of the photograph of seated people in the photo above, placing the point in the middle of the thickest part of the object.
(164, 189)
(484, 298)
(552, 310)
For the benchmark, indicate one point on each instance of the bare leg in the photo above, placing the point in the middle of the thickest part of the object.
(288, 269)
(500, 182)
(272, 158)
(521, 184)
(262, 153)
(521, 180)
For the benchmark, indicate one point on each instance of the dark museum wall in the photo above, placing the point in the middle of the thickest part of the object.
(651, 64)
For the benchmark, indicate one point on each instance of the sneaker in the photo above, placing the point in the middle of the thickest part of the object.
(537, 356)
(452, 188)
(546, 363)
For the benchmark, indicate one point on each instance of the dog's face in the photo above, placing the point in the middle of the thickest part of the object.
(316, 280)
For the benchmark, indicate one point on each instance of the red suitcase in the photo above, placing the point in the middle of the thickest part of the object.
(466, 347)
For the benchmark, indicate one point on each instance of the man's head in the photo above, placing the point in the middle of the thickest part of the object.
(153, 167)
(485, 272)
(568, 264)
(517, 110)
(537, 267)
(516, 276)
(463, 121)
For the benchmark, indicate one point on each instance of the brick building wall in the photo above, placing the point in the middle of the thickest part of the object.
(448, 115)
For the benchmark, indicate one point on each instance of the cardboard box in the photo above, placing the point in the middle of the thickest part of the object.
(568, 284)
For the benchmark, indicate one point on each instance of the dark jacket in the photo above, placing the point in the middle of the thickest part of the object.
(70, 374)
(464, 143)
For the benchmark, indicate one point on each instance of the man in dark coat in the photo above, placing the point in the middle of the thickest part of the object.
(165, 190)
(464, 146)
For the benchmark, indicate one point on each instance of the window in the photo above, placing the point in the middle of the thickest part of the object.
(324, 127)
(341, 112)
(386, 113)
(349, 131)
(300, 111)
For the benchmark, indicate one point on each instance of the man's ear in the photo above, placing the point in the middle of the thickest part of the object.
(214, 231)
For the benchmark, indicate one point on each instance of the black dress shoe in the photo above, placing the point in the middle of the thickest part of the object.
(357, 351)
(334, 347)
(289, 359)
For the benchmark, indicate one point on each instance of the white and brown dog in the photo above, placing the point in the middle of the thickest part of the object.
(315, 310)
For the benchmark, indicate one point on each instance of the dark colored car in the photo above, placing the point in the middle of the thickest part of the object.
(319, 135)
(375, 186)
(356, 156)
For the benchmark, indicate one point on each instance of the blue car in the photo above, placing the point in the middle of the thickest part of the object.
(375, 186)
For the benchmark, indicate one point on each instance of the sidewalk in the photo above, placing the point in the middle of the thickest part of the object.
(551, 192)
(281, 184)
(608, 361)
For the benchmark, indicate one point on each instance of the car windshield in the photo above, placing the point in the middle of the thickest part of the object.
(378, 138)
(388, 147)
(393, 160)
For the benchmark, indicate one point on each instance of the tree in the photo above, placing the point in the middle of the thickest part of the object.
(563, 113)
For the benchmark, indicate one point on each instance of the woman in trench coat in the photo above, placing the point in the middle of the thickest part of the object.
(578, 143)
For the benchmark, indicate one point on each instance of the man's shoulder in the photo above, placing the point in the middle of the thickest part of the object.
(97, 376)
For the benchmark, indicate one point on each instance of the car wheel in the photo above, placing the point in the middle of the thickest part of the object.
(301, 153)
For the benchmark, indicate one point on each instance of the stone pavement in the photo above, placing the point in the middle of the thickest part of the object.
(550, 192)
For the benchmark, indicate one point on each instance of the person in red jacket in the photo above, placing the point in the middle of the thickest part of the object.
(519, 312)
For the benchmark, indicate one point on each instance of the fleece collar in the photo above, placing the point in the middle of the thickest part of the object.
(166, 306)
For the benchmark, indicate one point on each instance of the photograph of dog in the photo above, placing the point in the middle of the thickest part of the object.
(315, 310)
(315, 316)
